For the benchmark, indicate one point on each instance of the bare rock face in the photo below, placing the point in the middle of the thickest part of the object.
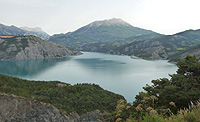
(17, 109)
(31, 47)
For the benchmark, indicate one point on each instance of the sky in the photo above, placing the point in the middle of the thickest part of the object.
(62, 16)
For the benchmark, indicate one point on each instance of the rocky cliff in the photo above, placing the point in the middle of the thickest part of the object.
(31, 47)
(19, 109)
(15, 109)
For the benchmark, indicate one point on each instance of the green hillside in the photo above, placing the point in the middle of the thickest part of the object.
(80, 98)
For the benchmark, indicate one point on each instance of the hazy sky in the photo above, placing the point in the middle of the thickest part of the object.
(62, 16)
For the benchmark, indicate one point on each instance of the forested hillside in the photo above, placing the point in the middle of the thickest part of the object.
(80, 98)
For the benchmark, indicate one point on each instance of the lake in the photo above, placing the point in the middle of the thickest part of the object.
(119, 74)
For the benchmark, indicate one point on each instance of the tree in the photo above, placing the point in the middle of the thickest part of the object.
(182, 88)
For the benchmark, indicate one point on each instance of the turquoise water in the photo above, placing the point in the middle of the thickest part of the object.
(119, 74)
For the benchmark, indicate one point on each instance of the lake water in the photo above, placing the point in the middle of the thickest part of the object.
(119, 74)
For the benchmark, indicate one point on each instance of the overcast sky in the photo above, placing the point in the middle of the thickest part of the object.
(62, 16)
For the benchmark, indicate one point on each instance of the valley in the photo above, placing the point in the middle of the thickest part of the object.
(99, 61)
(115, 36)
(109, 53)
(111, 72)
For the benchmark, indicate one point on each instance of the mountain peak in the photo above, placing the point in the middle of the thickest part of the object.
(109, 22)
(36, 29)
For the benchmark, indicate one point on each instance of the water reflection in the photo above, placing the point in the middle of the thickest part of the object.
(98, 63)
(29, 68)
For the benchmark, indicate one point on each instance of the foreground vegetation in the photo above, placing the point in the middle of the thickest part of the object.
(187, 115)
(80, 98)
(166, 100)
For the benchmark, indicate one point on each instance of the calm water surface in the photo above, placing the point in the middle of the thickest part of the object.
(119, 74)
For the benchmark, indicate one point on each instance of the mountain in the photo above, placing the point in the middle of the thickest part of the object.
(31, 47)
(111, 29)
(161, 47)
(13, 30)
(36, 32)
(40, 100)
(115, 36)
(36, 29)
(112, 47)
(181, 55)
(99, 31)
(192, 35)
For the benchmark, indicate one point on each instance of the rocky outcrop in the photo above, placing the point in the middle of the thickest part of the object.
(31, 47)
(15, 109)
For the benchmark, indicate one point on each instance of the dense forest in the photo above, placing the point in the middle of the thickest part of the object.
(80, 98)
(175, 99)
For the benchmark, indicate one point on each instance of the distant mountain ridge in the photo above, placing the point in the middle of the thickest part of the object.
(13, 30)
(153, 46)
(10, 30)
(36, 29)
(99, 31)
(116, 36)
(36, 32)
(162, 47)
